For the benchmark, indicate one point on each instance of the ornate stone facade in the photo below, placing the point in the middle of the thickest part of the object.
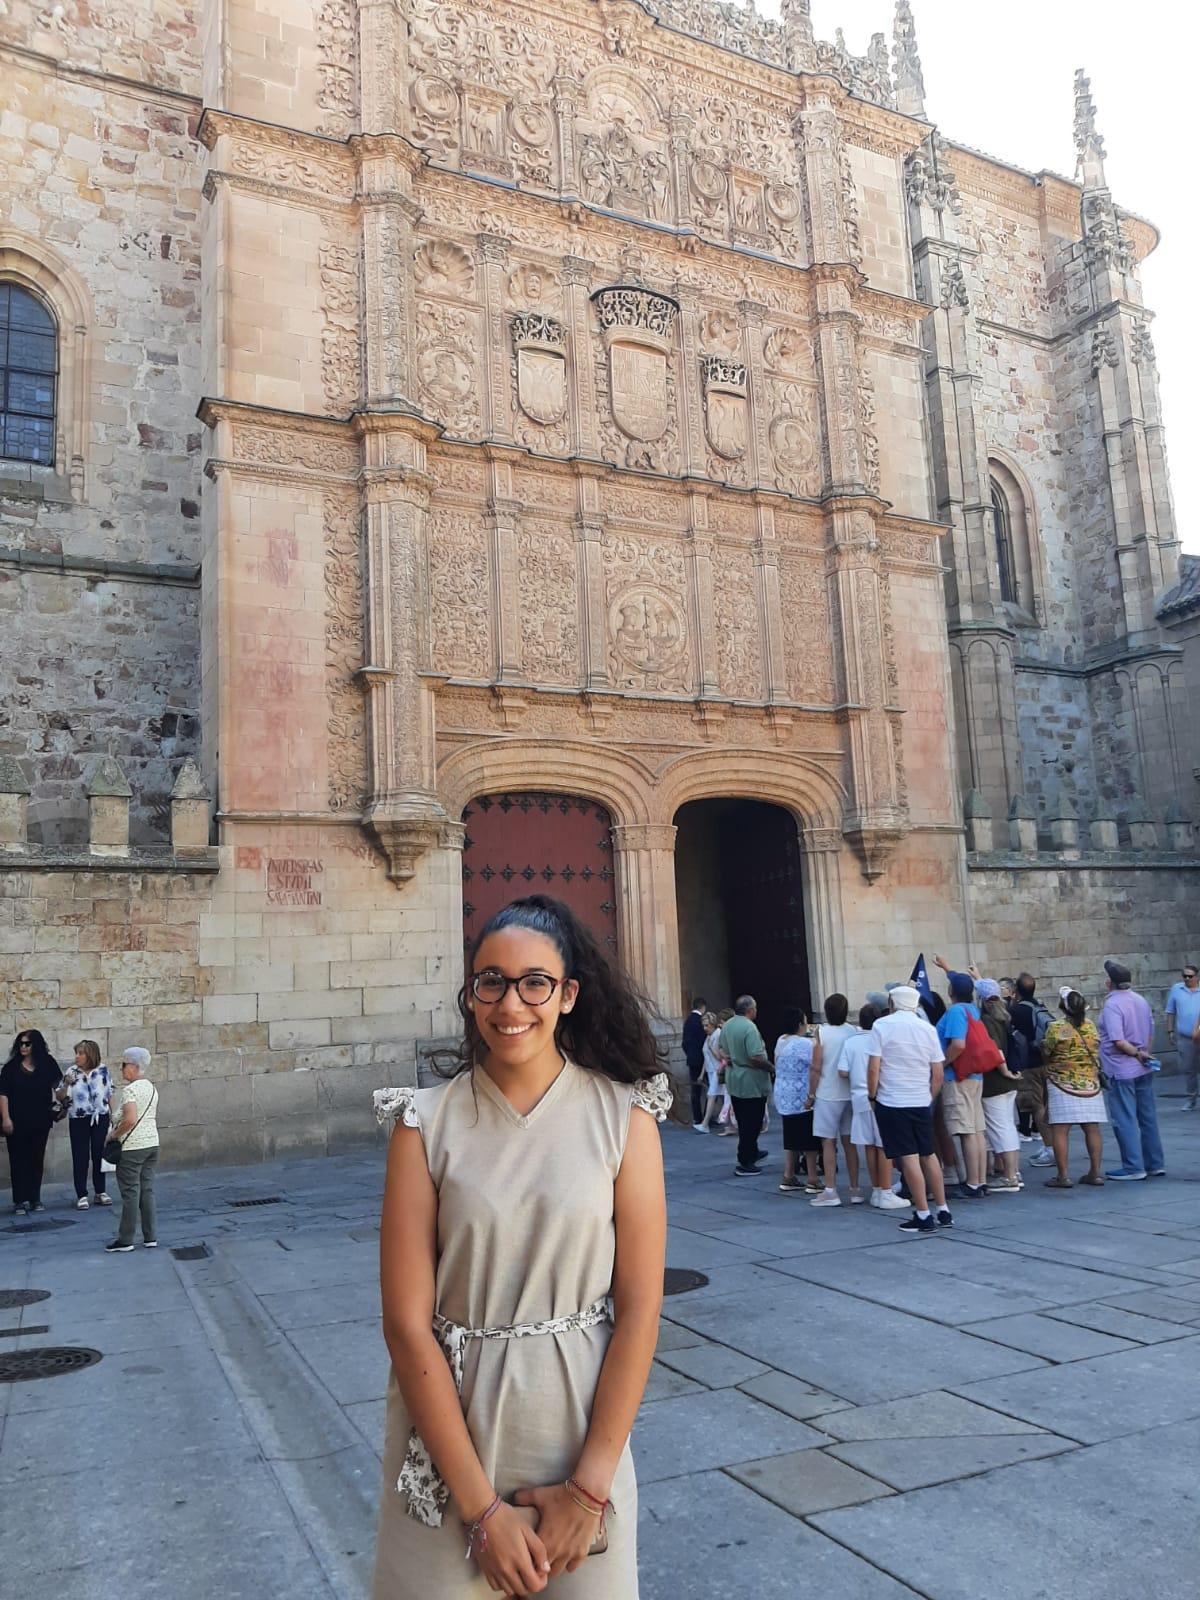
(639, 402)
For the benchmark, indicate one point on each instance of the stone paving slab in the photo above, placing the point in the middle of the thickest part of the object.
(705, 1537)
(672, 1337)
(934, 1415)
(350, 1358)
(755, 1323)
(807, 1482)
(1105, 1398)
(1121, 1324)
(902, 1281)
(665, 1384)
(991, 1262)
(1102, 1546)
(712, 1429)
(701, 1250)
(916, 1463)
(799, 1400)
(370, 1418)
(1050, 1337)
(714, 1365)
(301, 1308)
(1159, 1303)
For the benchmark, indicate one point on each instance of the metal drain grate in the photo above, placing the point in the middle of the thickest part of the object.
(191, 1252)
(678, 1280)
(267, 1200)
(42, 1227)
(51, 1361)
(18, 1333)
(10, 1299)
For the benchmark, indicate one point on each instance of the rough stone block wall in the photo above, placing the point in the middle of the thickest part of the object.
(1056, 742)
(104, 180)
(94, 665)
(273, 998)
(1061, 923)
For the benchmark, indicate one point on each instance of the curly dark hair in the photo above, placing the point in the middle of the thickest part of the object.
(41, 1050)
(609, 1029)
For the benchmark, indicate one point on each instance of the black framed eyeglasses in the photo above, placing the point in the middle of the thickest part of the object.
(535, 988)
(26, 1044)
(1189, 975)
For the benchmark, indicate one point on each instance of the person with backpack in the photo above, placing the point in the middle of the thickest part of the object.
(1000, 1092)
(1030, 1021)
(969, 1053)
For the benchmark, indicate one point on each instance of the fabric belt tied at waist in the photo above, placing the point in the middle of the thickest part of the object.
(419, 1480)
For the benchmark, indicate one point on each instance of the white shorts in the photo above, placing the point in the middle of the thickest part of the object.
(1000, 1122)
(864, 1130)
(831, 1118)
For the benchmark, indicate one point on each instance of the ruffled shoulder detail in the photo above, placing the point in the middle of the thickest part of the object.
(396, 1105)
(654, 1095)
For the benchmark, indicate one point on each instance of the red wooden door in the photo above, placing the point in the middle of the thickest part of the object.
(533, 843)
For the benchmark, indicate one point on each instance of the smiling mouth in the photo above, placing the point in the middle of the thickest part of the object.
(513, 1033)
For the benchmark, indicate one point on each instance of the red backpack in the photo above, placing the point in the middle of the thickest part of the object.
(980, 1052)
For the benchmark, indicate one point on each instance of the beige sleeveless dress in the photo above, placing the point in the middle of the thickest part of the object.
(525, 1236)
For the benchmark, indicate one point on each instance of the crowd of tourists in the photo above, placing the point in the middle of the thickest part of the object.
(111, 1129)
(924, 1099)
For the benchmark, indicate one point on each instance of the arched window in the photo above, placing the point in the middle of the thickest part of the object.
(1005, 554)
(28, 374)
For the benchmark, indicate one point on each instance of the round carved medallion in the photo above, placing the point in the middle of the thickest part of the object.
(708, 179)
(531, 125)
(792, 443)
(783, 202)
(435, 97)
(648, 631)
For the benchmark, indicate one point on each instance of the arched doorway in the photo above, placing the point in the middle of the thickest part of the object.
(530, 842)
(740, 900)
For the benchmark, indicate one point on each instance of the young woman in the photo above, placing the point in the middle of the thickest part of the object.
(28, 1080)
(88, 1090)
(1071, 1052)
(727, 1128)
(520, 1197)
(793, 1061)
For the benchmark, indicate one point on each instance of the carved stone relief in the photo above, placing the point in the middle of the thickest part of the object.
(448, 344)
(793, 437)
(337, 52)
(344, 612)
(533, 285)
(623, 161)
(647, 616)
(637, 378)
(804, 605)
(459, 589)
(539, 370)
(444, 268)
(549, 592)
(736, 616)
(726, 411)
(341, 368)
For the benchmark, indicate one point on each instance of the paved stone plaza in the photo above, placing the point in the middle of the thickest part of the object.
(1012, 1408)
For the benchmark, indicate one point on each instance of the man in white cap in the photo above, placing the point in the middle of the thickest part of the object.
(904, 1074)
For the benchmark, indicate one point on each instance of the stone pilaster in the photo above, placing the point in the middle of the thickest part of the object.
(566, 109)
(593, 606)
(766, 570)
(700, 552)
(821, 849)
(403, 810)
(389, 214)
(503, 520)
(681, 156)
(644, 856)
(383, 66)
(690, 391)
(497, 394)
(577, 282)
(758, 419)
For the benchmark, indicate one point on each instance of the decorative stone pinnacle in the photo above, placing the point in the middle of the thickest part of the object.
(975, 806)
(1089, 146)
(906, 63)
(189, 785)
(107, 779)
(1020, 810)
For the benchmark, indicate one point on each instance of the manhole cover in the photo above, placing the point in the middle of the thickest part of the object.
(19, 1333)
(267, 1200)
(42, 1227)
(10, 1299)
(678, 1280)
(191, 1252)
(51, 1361)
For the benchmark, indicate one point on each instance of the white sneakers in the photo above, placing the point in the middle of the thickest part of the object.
(699, 1127)
(827, 1197)
(888, 1200)
(82, 1203)
(856, 1198)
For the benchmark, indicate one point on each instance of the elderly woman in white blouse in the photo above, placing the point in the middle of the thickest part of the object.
(136, 1126)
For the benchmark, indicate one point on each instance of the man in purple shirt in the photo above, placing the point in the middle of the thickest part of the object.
(1126, 1033)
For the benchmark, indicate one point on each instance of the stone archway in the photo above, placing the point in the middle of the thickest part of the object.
(740, 896)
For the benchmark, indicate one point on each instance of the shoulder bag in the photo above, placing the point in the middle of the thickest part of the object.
(114, 1145)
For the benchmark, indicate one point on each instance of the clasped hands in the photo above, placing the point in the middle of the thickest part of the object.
(518, 1561)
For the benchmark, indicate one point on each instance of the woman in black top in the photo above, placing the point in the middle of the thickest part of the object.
(28, 1080)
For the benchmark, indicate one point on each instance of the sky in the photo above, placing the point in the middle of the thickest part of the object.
(1000, 78)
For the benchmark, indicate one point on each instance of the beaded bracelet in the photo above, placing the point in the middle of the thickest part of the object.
(477, 1530)
(589, 1502)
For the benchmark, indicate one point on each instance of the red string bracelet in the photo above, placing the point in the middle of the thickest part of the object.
(477, 1530)
(598, 1505)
